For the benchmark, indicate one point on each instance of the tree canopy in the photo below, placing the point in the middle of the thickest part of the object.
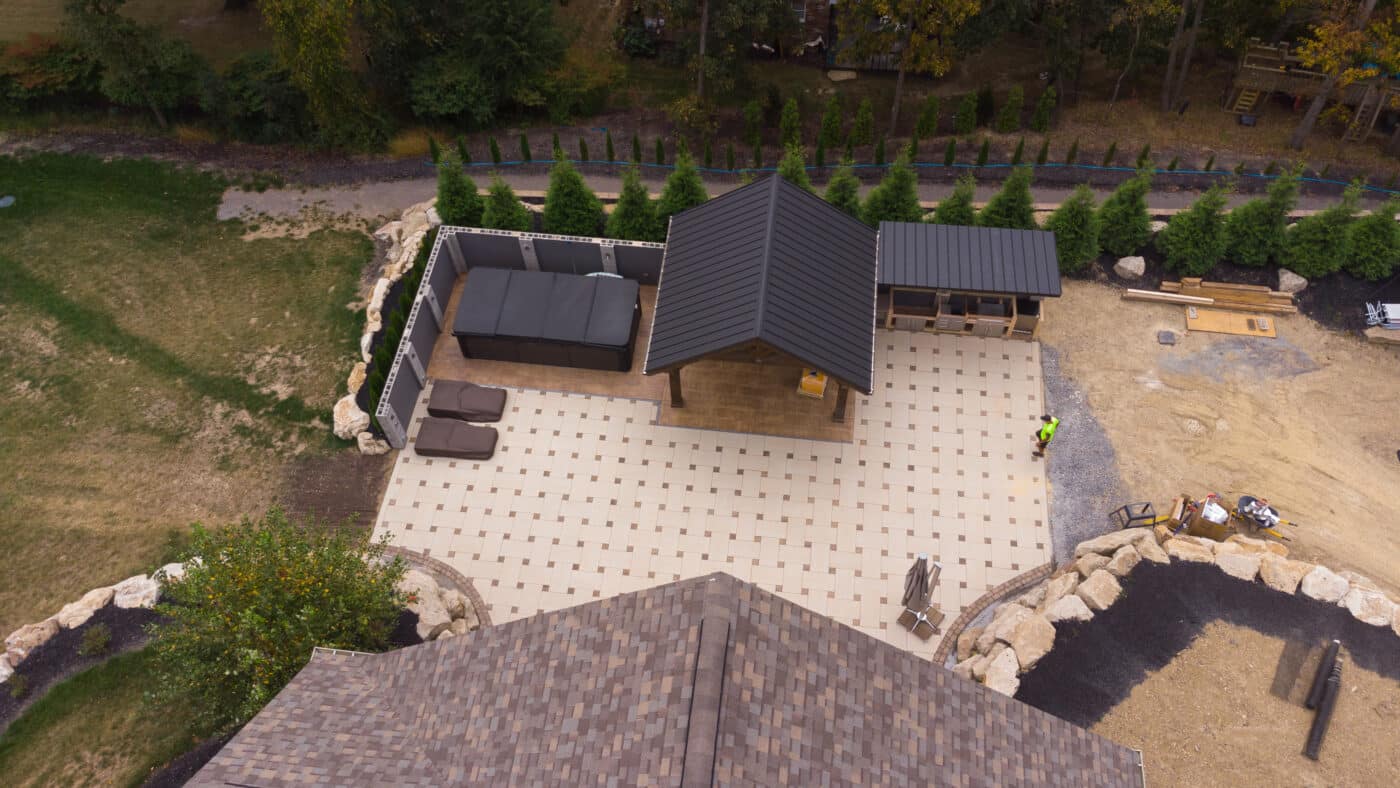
(843, 190)
(1011, 207)
(684, 189)
(503, 210)
(570, 207)
(1255, 230)
(1125, 226)
(896, 198)
(1076, 227)
(1194, 241)
(634, 216)
(957, 207)
(793, 167)
(458, 203)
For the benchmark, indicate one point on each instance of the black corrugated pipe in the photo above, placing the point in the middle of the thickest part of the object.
(1324, 712)
(1324, 669)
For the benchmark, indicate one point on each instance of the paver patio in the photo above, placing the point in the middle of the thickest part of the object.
(588, 496)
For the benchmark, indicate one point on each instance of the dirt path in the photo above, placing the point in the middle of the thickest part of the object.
(1307, 420)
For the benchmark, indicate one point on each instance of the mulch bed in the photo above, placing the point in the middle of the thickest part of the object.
(1096, 664)
(58, 659)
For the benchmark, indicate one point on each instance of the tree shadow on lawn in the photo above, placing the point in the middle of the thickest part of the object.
(1096, 664)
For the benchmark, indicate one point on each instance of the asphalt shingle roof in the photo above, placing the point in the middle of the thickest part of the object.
(981, 259)
(708, 681)
(773, 263)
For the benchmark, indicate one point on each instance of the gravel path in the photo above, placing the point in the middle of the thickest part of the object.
(1084, 481)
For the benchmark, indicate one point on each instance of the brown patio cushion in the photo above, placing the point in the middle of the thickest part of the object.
(455, 439)
(458, 399)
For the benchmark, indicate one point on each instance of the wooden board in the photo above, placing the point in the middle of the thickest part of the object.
(1383, 336)
(1164, 298)
(1220, 321)
(1247, 298)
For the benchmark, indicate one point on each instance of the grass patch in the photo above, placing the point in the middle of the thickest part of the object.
(94, 729)
(158, 369)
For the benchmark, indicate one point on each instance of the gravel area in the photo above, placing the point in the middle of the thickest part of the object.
(1084, 481)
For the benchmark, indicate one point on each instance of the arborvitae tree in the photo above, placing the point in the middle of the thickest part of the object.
(570, 207)
(434, 152)
(850, 150)
(1255, 230)
(608, 147)
(758, 157)
(896, 198)
(927, 125)
(583, 149)
(660, 152)
(555, 149)
(1272, 168)
(913, 147)
(1012, 206)
(753, 123)
(950, 153)
(708, 154)
(457, 201)
(843, 190)
(1076, 227)
(1020, 151)
(1318, 245)
(684, 189)
(729, 156)
(1125, 226)
(1239, 169)
(525, 148)
(880, 151)
(1210, 162)
(1044, 154)
(965, 120)
(1073, 156)
(1044, 109)
(820, 156)
(636, 148)
(634, 216)
(1009, 119)
(1171, 165)
(503, 210)
(957, 207)
(793, 167)
(1194, 241)
(1110, 153)
(984, 152)
(495, 151)
(863, 128)
(462, 153)
(986, 105)
(790, 125)
(1144, 158)
(1373, 244)
(832, 121)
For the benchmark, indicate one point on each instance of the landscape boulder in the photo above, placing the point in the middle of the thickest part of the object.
(1033, 639)
(1151, 551)
(75, 614)
(1123, 561)
(1324, 585)
(370, 445)
(1369, 606)
(1090, 564)
(1005, 624)
(1281, 574)
(1068, 608)
(1112, 542)
(967, 641)
(24, 640)
(1184, 550)
(1001, 674)
(1289, 282)
(455, 602)
(1156, 226)
(1100, 591)
(357, 377)
(5, 670)
(1132, 267)
(979, 668)
(1251, 545)
(349, 419)
(171, 571)
(136, 591)
(1245, 566)
(985, 640)
(964, 668)
(445, 634)
(1060, 587)
(457, 627)
(1035, 597)
(425, 600)
(375, 310)
(389, 233)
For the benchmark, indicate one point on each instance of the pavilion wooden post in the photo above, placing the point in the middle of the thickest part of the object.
(674, 377)
(842, 394)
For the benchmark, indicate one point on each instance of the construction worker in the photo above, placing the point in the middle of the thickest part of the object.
(1043, 435)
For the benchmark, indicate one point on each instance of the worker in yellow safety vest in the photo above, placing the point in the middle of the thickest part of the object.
(1043, 435)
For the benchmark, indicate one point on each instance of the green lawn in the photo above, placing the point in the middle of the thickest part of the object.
(157, 369)
(94, 729)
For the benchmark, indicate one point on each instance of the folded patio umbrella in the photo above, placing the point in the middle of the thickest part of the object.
(916, 584)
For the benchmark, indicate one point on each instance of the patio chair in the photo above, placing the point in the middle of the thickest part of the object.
(455, 439)
(458, 399)
(920, 616)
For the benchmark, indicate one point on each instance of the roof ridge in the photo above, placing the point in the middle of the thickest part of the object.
(764, 261)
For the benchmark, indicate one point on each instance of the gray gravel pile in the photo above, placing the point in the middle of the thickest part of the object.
(1084, 480)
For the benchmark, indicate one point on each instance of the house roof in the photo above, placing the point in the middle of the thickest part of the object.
(981, 259)
(772, 263)
(707, 681)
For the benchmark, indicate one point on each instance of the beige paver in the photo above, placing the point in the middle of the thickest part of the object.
(588, 496)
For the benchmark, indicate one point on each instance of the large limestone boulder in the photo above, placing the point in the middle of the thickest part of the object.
(1151, 551)
(457, 627)
(1100, 591)
(985, 640)
(455, 602)
(425, 599)
(1324, 585)
(964, 668)
(1251, 545)
(370, 445)
(172, 571)
(1090, 564)
(1005, 625)
(357, 377)
(1069, 608)
(1369, 606)
(1245, 566)
(1001, 674)
(1123, 561)
(5, 670)
(75, 614)
(375, 310)
(389, 233)
(1357, 580)
(446, 634)
(349, 419)
(1289, 282)
(979, 668)
(1132, 267)
(1156, 226)
(1035, 597)
(1058, 588)
(1033, 639)
(967, 640)
(1184, 550)
(136, 591)
(1111, 542)
(22, 642)
(1282, 574)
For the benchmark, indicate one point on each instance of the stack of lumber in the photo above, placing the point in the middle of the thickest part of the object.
(1242, 298)
(1132, 294)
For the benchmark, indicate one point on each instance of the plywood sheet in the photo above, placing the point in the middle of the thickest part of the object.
(1220, 321)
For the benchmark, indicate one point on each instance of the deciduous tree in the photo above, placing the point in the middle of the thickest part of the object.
(922, 32)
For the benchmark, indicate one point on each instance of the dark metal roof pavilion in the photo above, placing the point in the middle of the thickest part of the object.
(977, 259)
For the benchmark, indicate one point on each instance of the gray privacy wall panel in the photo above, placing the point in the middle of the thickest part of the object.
(491, 251)
(642, 263)
(569, 257)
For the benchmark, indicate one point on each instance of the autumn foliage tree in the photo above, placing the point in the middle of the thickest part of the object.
(922, 31)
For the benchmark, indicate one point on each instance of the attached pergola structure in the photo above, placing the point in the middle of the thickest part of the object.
(768, 273)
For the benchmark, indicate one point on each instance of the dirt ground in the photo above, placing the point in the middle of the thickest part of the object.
(1306, 420)
(1209, 717)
